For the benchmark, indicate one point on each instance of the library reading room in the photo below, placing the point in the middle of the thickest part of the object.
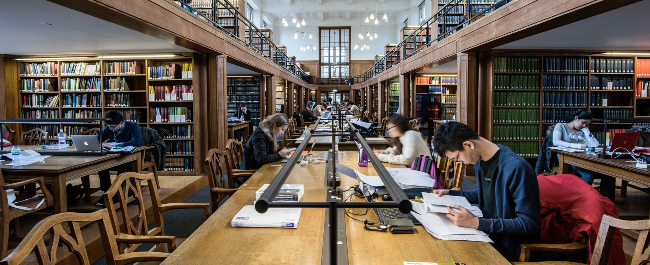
(406, 132)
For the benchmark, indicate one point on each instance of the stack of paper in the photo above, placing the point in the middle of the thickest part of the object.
(435, 204)
(288, 192)
(441, 227)
(405, 178)
(27, 157)
(274, 217)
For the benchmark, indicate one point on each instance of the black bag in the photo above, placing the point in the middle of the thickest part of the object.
(644, 136)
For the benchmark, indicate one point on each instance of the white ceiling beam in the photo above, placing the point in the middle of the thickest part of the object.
(321, 16)
(347, 16)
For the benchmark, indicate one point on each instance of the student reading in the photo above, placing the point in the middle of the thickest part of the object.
(507, 191)
(408, 144)
(262, 146)
(121, 133)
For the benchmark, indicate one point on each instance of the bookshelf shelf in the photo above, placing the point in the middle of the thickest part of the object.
(79, 92)
(123, 75)
(164, 80)
(516, 107)
(553, 107)
(46, 92)
(139, 107)
(173, 101)
(518, 73)
(128, 91)
(610, 107)
(40, 107)
(178, 139)
(612, 90)
(612, 73)
(64, 107)
(565, 73)
(80, 76)
(518, 90)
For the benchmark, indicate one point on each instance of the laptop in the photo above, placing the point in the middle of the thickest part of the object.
(86, 143)
(624, 142)
(302, 157)
(397, 222)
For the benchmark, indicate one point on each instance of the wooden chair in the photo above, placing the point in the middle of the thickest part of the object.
(604, 240)
(303, 122)
(34, 136)
(9, 213)
(414, 123)
(132, 230)
(91, 131)
(235, 151)
(373, 117)
(12, 134)
(382, 126)
(53, 227)
(218, 171)
(453, 174)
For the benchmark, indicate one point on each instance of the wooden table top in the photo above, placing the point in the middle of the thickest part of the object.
(618, 163)
(233, 124)
(217, 241)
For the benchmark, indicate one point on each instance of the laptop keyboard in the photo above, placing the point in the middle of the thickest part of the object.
(385, 214)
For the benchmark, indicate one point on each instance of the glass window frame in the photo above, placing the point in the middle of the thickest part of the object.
(336, 50)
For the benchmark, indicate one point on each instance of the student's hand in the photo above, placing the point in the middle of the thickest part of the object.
(107, 146)
(583, 146)
(284, 152)
(440, 192)
(462, 219)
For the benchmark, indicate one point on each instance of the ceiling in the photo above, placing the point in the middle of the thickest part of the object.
(625, 28)
(324, 10)
(23, 31)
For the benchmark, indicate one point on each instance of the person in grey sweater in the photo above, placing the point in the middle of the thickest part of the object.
(408, 144)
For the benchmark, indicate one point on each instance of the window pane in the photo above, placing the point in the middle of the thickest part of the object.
(324, 71)
(345, 71)
(335, 71)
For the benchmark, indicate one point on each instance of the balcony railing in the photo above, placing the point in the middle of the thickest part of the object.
(226, 17)
(421, 38)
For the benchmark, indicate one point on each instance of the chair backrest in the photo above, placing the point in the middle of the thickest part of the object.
(453, 173)
(302, 120)
(384, 121)
(218, 169)
(52, 226)
(235, 151)
(34, 136)
(606, 238)
(11, 135)
(91, 131)
(130, 181)
(414, 123)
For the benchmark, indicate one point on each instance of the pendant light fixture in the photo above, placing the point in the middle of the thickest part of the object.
(356, 46)
(367, 20)
(303, 21)
(293, 20)
(372, 16)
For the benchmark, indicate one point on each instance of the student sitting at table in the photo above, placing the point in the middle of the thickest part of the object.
(354, 110)
(507, 191)
(573, 134)
(262, 146)
(317, 110)
(306, 113)
(245, 115)
(408, 144)
(117, 132)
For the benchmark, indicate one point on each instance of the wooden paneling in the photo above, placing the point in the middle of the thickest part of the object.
(201, 108)
(291, 108)
(310, 66)
(405, 95)
(217, 101)
(382, 100)
(9, 96)
(358, 67)
(369, 106)
(269, 81)
(262, 97)
(485, 70)
(3, 89)
(467, 92)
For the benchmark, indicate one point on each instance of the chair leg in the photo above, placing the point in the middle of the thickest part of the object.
(86, 183)
(154, 170)
(4, 238)
(214, 202)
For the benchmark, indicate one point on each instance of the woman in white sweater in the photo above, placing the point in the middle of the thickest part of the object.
(409, 146)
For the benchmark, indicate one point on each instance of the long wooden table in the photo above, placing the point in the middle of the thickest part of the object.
(324, 143)
(217, 242)
(58, 170)
(233, 126)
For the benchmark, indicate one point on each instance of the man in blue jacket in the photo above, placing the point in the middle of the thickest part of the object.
(507, 191)
(117, 132)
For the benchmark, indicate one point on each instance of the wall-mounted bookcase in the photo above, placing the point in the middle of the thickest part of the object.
(441, 91)
(258, 43)
(419, 41)
(392, 58)
(280, 97)
(455, 14)
(280, 58)
(393, 98)
(223, 16)
(531, 93)
(245, 90)
(154, 92)
(379, 64)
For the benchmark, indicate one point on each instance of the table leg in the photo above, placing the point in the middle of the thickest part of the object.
(59, 193)
(564, 168)
(231, 132)
(138, 161)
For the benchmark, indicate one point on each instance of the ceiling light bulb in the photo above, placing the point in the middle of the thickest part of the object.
(370, 37)
(372, 16)
(385, 16)
(313, 48)
(298, 25)
(303, 21)
(368, 33)
(310, 35)
(286, 24)
(307, 47)
(361, 37)
(375, 35)
(367, 20)
(284, 21)
(356, 46)
(293, 20)
(376, 21)
(295, 36)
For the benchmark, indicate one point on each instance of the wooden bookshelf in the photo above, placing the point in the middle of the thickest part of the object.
(441, 88)
(393, 58)
(455, 16)
(258, 43)
(121, 84)
(393, 98)
(418, 42)
(281, 96)
(561, 85)
(224, 16)
(245, 90)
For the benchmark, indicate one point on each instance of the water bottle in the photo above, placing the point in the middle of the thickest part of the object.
(15, 156)
(61, 139)
(592, 143)
(241, 117)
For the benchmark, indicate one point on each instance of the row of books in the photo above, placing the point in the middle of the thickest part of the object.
(243, 90)
(643, 67)
(243, 81)
(515, 132)
(617, 113)
(251, 107)
(450, 19)
(449, 99)
(52, 130)
(123, 68)
(134, 115)
(80, 68)
(243, 99)
(393, 93)
(602, 136)
(598, 99)
(40, 114)
(448, 113)
(172, 71)
(120, 100)
(566, 82)
(557, 115)
(453, 8)
(82, 114)
(612, 65)
(565, 99)
(611, 82)
(188, 69)
(516, 81)
(171, 93)
(643, 124)
(521, 99)
(116, 84)
(566, 64)
(170, 114)
(176, 131)
(81, 84)
(40, 100)
(39, 69)
(642, 88)
(180, 147)
(525, 149)
(516, 64)
(36, 85)
(179, 164)
(75, 130)
(515, 115)
(449, 80)
(226, 22)
(81, 100)
(393, 86)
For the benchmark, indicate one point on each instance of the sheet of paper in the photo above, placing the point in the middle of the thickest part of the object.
(375, 139)
(445, 200)
(441, 227)
(370, 180)
(408, 178)
(361, 123)
(346, 170)
(432, 208)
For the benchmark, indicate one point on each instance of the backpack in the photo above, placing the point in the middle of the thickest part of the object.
(427, 165)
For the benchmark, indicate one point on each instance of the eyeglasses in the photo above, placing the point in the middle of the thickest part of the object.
(391, 127)
(113, 126)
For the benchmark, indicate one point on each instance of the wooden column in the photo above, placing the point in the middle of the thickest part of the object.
(405, 95)
(3, 88)
(318, 97)
(217, 90)
(289, 98)
(201, 110)
(353, 96)
(270, 95)
(412, 92)
(9, 96)
(369, 106)
(262, 97)
(382, 100)
(301, 99)
(467, 92)
(484, 109)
